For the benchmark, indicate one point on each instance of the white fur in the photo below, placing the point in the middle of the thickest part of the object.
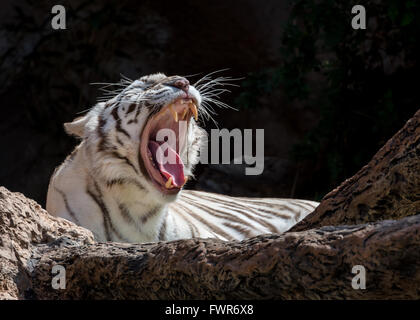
(90, 170)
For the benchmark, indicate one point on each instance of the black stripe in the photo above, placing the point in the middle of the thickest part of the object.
(137, 112)
(159, 93)
(102, 136)
(260, 202)
(118, 122)
(212, 227)
(239, 209)
(103, 141)
(125, 213)
(218, 213)
(258, 219)
(119, 142)
(120, 96)
(66, 203)
(299, 213)
(142, 167)
(131, 108)
(109, 103)
(105, 212)
(123, 181)
(276, 214)
(231, 202)
(304, 205)
(247, 233)
(274, 208)
(193, 229)
(132, 121)
(119, 156)
(149, 214)
(254, 201)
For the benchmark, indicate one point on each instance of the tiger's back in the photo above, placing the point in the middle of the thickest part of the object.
(211, 215)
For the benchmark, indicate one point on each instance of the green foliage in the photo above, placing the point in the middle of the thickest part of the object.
(361, 82)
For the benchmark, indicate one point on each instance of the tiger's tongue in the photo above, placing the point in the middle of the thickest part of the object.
(168, 169)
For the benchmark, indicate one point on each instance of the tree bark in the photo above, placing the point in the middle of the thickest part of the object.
(388, 187)
(314, 263)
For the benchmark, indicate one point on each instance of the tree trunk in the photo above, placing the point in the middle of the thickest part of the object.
(316, 262)
(388, 187)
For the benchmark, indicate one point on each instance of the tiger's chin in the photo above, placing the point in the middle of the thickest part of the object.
(164, 165)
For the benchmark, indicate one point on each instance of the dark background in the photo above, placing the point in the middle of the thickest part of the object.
(327, 96)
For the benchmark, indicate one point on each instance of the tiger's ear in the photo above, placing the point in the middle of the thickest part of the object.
(76, 127)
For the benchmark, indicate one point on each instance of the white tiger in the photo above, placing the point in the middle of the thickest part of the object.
(114, 185)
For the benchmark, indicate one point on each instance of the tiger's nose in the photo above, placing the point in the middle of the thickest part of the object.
(182, 84)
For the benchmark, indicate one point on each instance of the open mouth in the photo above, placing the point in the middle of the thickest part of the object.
(162, 159)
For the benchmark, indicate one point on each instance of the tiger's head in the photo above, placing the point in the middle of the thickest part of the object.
(147, 131)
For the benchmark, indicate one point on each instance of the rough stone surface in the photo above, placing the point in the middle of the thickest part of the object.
(314, 264)
(23, 226)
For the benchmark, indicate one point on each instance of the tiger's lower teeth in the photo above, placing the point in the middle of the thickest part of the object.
(168, 184)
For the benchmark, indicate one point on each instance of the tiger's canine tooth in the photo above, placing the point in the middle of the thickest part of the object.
(193, 109)
(174, 113)
(168, 183)
(184, 113)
